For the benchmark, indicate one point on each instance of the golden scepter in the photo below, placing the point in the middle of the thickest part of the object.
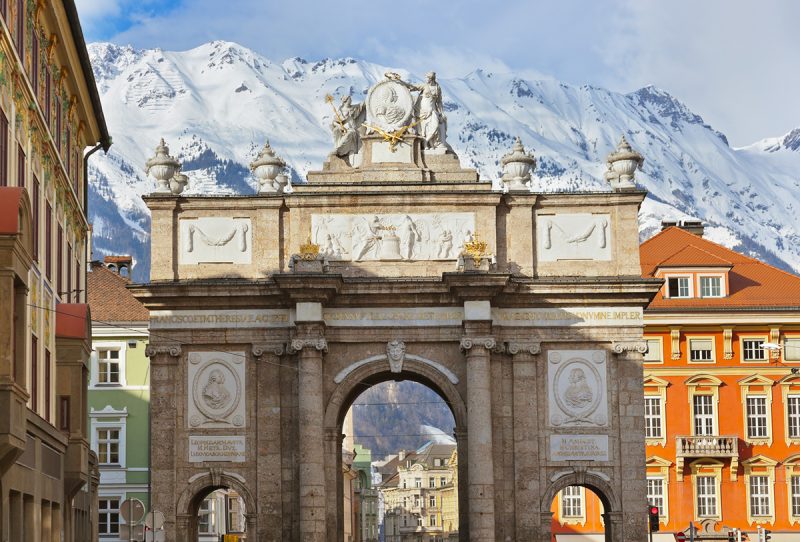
(329, 99)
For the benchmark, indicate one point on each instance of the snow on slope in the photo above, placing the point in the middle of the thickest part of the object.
(216, 104)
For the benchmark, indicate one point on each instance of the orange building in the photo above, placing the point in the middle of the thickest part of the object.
(722, 397)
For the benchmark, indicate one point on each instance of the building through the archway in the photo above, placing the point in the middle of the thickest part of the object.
(271, 312)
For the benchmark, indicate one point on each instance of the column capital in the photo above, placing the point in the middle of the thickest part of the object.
(153, 350)
(467, 343)
(623, 347)
(277, 348)
(298, 344)
(523, 347)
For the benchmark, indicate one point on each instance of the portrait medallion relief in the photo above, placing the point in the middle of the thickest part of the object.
(577, 388)
(216, 381)
(389, 106)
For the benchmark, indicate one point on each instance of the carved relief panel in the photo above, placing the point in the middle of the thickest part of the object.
(573, 236)
(388, 237)
(215, 240)
(216, 384)
(577, 388)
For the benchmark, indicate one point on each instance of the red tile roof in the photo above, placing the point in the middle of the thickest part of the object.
(73, 321)
(110, 300)
(752, 284)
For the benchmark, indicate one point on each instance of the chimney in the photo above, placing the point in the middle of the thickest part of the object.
(691, 225)
(401, 455)
(121, 265)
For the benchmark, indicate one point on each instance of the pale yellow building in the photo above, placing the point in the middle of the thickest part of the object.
(49, 114)
(449, 499)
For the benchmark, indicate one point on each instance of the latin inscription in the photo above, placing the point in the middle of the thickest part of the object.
(215, 319)
(579, 448)
(216, 449)
(596, 317)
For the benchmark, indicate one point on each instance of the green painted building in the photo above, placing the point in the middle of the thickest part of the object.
(119, 393)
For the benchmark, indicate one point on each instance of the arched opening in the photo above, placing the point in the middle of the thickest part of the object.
(215, 504)
(578, 515)
(402, 428)
(588, 493)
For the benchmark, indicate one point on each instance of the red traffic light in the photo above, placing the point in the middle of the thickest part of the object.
(654, 510)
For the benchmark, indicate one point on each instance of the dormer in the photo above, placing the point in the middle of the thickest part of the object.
(693, 273)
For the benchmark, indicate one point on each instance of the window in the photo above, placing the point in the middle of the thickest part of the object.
(48, 241)
(34, 374)
(69, 288)
(57, 135)
(710, 286)
(432, 501)
(20, 30)
(63, 412)
(432, 520)
(752, 350)
(35, 63)
(759, 496)
(703, 408)
(20, 166)
(756, 416)
(655, 493)
(653, 353)
(795, 495)
(706, 496)
(47, 384)
(108, 365)
(678, 286)
(793, 411)
(35, 217)
(419, 521)
(791, 349)
(108, 517)
(431, 482)
(652, 417)
(60, 261)
(417, 482)
(48, 90)
(701, 350)
(442, 481)
(571, 502)
(205, 517)
(108, 446)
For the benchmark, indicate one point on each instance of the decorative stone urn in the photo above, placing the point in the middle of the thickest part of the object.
(517, 167)
(622, 166)
(268, 168)
(178, 182)
(163, 168)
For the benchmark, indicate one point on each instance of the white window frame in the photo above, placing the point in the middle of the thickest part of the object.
(710, 498)
(655, 348)
(210, 513)
(109, 418)
(712, 416)
(787, 347)
(793, 481)
(758, 421)
(122, 347)
(652, 498)
(793, 416)
(100, 510)
(743, 358)
(720, 278)
(649, 415)
(760, 465)
(693, 338)
(689, 286)
(756, 385)
(760, 502)
(572, 498)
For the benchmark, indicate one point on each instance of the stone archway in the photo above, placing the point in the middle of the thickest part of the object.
(351, 382)
(198, 489)
(600, 485)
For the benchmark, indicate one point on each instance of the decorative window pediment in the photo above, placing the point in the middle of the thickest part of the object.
(756, 393)
(655, 396)
(759, 473)
(792, 466)
(790, 392)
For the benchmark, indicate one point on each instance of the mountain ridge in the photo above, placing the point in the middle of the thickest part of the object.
(215, 105)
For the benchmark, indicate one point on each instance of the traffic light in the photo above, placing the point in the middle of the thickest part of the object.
(731, 536)
(767, 536)
(653, 512)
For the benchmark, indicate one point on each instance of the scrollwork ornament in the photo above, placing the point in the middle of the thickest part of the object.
(621, 347)
(171, 349)
(276, 348)
(467, 343)
(531, 347)
(319, 344)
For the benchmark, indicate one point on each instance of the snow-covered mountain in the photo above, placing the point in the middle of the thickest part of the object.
(216, 104)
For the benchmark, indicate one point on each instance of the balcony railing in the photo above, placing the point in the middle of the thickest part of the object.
(707, 446)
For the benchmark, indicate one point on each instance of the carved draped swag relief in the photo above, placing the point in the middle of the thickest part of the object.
(215, 240)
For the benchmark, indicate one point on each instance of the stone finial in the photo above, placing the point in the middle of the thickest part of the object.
(163, 168)
(517, 167)
(622, 166)
(268, 168)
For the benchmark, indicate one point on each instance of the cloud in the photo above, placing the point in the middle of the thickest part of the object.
(735, 63)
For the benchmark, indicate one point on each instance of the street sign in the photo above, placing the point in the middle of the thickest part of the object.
(680, 537)
(132, 511)
(132, 533)
(154, 520)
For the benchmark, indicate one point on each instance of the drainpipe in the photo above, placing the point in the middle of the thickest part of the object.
(86, 254)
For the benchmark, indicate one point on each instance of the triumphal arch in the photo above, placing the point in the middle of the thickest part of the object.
(271, 312)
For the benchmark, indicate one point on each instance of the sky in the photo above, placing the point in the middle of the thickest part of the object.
(736, 63)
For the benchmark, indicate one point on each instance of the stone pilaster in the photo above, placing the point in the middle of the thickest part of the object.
(525, 403)
(480, 453)
(310, 433)
(267, 357)
(163, 421)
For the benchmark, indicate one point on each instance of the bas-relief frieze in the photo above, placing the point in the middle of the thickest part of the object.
(577, 388)
(389, 237)
(215, 240)
(573, 236)
(216, 381)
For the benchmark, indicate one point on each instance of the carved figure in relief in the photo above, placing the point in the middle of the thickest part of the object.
(409, 235)
(445, 244)
(370, 239)
(387, 108)
(578, 394)
(215, 394)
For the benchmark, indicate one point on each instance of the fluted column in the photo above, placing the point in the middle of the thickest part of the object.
(526, 448)
(480, 456)
(311, 438)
